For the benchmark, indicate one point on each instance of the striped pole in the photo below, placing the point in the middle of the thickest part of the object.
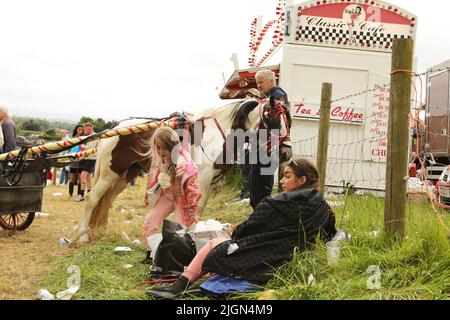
(78, 155)
(55, 146)
(84, 154)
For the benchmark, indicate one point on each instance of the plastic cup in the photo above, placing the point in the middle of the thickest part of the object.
(64, 242)
(43, 294)
(333, 252)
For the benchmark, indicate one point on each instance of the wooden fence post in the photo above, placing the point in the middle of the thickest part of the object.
(398, 138)
(324, 129)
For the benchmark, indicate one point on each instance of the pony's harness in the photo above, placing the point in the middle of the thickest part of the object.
(219, 127)
(184, 122)
(269, 113)
(216, 179)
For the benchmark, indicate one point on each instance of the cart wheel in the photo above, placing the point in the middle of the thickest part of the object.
(16, 221)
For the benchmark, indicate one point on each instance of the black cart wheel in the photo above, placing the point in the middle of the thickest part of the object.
(16, 221)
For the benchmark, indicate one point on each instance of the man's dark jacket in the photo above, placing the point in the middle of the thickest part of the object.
(9, 135)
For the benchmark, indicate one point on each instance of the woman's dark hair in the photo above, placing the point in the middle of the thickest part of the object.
(305, 168)
(74, 133)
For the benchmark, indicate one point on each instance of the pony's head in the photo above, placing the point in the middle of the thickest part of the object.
(245, 116)
(245, 119)
(260, 114)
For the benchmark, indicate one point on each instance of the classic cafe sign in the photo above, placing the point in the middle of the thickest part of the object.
(339, 113)
(363, 24)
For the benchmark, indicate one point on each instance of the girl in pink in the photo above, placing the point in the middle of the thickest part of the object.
(173, 185)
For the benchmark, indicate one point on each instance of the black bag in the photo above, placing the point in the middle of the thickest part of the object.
(174, 253)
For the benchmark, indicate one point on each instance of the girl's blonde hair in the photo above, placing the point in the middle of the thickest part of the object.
(171, 142)
(168, 137)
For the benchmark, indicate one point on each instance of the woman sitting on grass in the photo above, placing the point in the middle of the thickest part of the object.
(294, 218)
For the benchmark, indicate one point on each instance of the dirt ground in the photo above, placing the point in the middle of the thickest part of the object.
(27, 256)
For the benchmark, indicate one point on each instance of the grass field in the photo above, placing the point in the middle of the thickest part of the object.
(418, 268)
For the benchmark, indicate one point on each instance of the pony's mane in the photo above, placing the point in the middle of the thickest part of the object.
(240, 115)
(217, 111)
(237, 112)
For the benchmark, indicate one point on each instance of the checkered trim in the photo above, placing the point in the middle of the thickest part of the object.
(340, 36)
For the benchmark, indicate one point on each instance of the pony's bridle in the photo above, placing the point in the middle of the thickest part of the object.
(217, 125)
(265, 115)
(216, 179)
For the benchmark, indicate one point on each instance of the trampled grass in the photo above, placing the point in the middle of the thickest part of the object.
(371, 266)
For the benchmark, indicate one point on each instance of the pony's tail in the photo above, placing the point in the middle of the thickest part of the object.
(100, 213)
(99, 217)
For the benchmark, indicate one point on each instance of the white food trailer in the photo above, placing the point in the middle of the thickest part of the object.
(348, 44)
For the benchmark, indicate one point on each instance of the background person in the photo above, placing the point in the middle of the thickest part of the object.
(2, 141)
(75, 168)
(64, 177)
(88, 163)
(9, 130)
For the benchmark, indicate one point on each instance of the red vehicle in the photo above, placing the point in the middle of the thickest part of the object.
(436, 138)
(443, 189)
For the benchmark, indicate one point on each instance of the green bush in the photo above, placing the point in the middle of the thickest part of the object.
(50, 135)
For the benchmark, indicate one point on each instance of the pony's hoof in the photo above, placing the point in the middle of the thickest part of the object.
(83, 239)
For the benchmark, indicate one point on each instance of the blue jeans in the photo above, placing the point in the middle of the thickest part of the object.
(64, 177)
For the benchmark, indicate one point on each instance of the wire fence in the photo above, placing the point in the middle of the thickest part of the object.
(357, 158)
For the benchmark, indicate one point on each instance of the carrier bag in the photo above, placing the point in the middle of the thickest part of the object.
(175, 252)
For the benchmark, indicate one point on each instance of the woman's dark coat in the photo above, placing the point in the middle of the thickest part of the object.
(268, 238)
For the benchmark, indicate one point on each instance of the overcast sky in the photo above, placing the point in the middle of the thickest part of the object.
(115, 59)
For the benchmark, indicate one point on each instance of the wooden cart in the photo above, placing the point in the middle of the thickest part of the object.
(21, 192)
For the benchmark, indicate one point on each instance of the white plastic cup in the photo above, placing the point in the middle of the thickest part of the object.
(64, 242)
(43, 294)
(136, 242)
(333, 252)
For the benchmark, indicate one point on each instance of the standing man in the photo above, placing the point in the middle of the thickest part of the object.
(261, 185)
(267, 85)
(8, 128)
(88, 164)
(252, 94)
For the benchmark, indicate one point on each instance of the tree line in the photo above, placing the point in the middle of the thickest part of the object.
(35, 128)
